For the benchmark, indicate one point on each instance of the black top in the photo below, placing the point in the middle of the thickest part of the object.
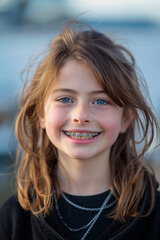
(77, 218)
(18, 224)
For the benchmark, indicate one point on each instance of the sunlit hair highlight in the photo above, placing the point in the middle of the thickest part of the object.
(114, 68)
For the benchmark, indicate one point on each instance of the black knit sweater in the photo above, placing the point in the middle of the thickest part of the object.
(18, 224)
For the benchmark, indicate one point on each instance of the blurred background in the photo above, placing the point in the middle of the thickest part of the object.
(26, 28)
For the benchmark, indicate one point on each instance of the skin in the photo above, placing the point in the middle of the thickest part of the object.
(78, 103)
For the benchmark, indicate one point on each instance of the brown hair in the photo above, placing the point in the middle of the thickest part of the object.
(114, 68)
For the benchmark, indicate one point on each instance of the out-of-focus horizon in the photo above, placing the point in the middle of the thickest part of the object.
(40, 11)
(27, 26)
(118, 9)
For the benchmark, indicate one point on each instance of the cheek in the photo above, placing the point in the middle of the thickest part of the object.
(112, 127)
(54, 122)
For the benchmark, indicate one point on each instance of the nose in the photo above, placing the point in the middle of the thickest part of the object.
(81, 114)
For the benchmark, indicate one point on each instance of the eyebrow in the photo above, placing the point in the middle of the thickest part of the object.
(75, 92)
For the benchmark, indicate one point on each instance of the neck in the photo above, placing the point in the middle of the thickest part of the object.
(83, 177)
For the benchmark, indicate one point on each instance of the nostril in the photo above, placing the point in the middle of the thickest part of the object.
(80, 120)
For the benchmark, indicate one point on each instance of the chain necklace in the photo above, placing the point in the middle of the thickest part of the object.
(85, 208)
(91, 223)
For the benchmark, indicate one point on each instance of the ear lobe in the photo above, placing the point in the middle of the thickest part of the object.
(127, 119)
(41, 120)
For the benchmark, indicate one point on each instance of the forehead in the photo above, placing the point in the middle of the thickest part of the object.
(75, 74)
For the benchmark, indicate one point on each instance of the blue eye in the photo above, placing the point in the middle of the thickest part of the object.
(101, 102)
(65, 100)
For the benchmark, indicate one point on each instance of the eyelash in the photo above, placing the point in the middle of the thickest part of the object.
(102, 100)
(63, 100)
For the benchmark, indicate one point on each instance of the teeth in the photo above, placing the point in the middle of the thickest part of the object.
(78, 135)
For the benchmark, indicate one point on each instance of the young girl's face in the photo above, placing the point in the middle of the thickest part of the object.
(80, 119)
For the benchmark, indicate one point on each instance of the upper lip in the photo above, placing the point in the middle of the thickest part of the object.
(82, 131)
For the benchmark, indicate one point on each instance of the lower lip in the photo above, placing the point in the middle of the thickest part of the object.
(82, 141)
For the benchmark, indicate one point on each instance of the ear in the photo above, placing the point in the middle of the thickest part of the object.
(41, 118)
(128, 116)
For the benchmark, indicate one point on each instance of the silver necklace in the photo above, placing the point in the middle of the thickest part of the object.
(90, 224)
(85, 208)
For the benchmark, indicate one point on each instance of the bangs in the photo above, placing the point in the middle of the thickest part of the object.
(116, 78)
(113, 65)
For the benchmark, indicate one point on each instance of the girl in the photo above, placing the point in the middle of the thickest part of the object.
(81, 174)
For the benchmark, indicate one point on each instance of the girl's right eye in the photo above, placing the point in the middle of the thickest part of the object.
(64, 100)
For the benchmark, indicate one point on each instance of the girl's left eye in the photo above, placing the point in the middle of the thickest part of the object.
(101, 102)
(65, 100)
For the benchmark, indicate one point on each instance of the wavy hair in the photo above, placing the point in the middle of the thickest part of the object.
(115, 69)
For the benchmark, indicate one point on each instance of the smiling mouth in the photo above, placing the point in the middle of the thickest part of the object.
(78, 135)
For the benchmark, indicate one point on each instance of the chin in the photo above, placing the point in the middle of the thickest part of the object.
(81, 156)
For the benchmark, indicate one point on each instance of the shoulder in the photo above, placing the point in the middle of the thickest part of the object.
(157, 197)
(157, 203)
(9, 203)
(152, 222)
(10, 208)
(11, 216)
